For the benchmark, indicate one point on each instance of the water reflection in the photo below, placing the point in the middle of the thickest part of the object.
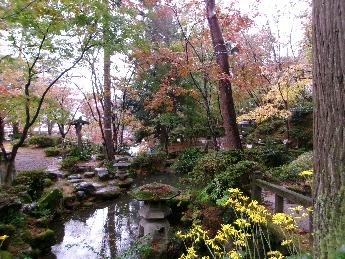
(103, 233)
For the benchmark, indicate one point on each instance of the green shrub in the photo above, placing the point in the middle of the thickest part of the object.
(213, 163)
(235, 175)
(43, 141)
(53, 151)
(32, 181)
(149, 162)
(83, 153)
(187, 160)
(291, 170)
(274, 155)
(69, 164)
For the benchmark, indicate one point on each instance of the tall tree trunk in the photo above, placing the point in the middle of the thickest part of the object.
(107, 97)
(329, 127)
(232, 136)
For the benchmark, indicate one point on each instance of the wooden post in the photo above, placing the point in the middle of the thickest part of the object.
(255, 189)
(278, 203)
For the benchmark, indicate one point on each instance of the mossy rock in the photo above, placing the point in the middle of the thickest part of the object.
(8, 230)
(5, 255)
(52, 201)
(43, 240)
(43, 222)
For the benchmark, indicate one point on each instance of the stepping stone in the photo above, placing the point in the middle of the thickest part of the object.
(56, 174)
(74, 176)
(75, 180)
(122, 165)
(89, 174)
(102, 173)
(107, 193)
(86, 187)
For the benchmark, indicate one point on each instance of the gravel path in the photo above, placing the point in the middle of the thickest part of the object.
(34, 158)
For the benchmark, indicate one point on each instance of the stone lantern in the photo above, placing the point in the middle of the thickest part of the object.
(78, 124)
(155, 211)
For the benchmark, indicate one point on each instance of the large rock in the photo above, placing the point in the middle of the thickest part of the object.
(86, 187)
(55, 174)
(43, 240)
(52, 201)
(107, 193)
(102, 173)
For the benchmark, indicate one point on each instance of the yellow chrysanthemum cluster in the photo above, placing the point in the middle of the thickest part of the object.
(250, 215)
(306, 173)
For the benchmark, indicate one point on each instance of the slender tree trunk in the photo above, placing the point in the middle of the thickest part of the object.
(107, 98)
(15, 129)
(232, 136)
(329, 127)
(50, 125)
(2, 138)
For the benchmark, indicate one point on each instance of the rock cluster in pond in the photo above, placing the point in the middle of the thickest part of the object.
(99, 183)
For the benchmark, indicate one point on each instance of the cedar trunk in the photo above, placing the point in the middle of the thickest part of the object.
(232, 137)
(329, 123)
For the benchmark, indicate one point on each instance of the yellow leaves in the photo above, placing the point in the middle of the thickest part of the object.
(262, 113)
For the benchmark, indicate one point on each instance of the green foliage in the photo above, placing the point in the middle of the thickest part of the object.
(69, 163)
(235, 175)
(187, 160)
(291, 170)
(51, 201)
(149, 162)
(32, 181)
(274, 155)
(83, 153)
(43, 141)
(139, 247)
(213, 163)
(53, 151)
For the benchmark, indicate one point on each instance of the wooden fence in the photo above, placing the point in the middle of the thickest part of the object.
(281, 193)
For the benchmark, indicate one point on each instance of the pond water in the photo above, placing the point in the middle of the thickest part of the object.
(105, 231)
(98, 233)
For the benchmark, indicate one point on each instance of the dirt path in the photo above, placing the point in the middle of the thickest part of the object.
(34, 158)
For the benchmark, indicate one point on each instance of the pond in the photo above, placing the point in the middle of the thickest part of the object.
(105, 231)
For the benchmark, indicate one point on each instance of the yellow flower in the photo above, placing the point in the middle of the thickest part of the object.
(306, 173)
(233, 254)
(242, 223)
(4, 237)
(275, 255)
(286, 242)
